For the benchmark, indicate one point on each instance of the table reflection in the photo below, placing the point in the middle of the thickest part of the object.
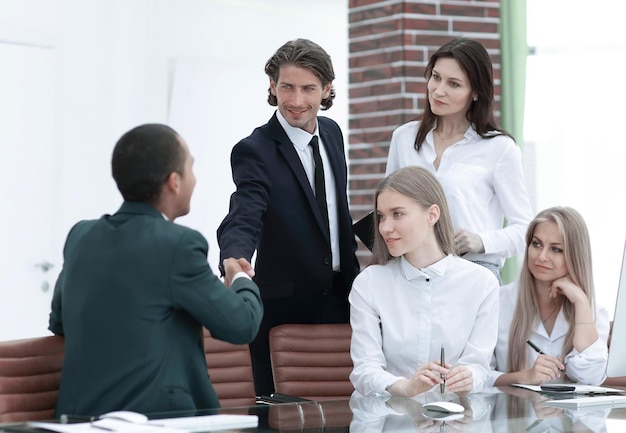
(327, 416)
(522, 410)
(497, 410)
(398, 414)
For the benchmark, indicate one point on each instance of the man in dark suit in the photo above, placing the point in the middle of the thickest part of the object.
(136, 289)
(290, 205)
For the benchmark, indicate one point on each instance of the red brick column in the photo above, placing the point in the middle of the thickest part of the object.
(390, 44)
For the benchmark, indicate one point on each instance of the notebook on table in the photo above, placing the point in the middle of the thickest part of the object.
(589, 401)
(192, 424)
(571, 389)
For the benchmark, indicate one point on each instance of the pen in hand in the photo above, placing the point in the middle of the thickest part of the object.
(538, 350)
(442, 386)
(535, 347)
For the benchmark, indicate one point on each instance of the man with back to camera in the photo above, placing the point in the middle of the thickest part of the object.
(305, 249)
(136, 290)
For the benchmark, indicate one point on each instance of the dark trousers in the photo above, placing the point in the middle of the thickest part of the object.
(331, 306)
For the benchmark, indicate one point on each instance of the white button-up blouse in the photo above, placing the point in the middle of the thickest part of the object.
(484, 184)
(401, 316)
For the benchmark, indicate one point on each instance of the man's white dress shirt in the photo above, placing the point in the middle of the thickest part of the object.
(300, 139)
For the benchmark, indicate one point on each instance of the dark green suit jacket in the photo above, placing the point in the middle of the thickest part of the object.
(131, 300)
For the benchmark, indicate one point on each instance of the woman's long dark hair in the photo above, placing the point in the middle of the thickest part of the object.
(473, 58)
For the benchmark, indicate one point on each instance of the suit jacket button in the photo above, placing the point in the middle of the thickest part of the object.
(326, 261)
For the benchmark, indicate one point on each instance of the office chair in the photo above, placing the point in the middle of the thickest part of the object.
(230, 369)
(312, 361)
(30, 373)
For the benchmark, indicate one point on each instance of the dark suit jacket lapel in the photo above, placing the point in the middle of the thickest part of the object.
(286, 148)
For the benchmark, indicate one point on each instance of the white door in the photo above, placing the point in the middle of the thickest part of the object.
(27, 153)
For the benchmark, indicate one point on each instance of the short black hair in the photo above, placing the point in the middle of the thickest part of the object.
(143, 158)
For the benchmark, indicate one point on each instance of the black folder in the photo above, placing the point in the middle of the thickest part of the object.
(364, 229)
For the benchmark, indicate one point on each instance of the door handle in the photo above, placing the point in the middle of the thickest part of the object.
(44, 266)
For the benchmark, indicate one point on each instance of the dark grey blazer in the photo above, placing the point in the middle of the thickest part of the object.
(131, 300)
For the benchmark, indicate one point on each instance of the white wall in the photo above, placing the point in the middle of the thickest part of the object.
(194, 64)
(118, 65)
(198, 65)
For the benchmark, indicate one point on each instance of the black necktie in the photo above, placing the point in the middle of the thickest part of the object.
(320, 184)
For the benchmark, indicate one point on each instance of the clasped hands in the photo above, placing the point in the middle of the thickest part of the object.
(232, 266)
(458, 379)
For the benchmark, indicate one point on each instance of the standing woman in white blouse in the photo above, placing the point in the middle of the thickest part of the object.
(417, 296)
(553, 306)
(479, 165)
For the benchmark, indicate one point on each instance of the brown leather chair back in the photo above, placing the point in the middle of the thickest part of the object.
(30, 373)
(230, 369)
(312, 361)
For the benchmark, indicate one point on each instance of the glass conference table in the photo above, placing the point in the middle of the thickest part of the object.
(505, 409)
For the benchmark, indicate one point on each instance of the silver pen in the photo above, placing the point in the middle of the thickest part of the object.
(442, 386)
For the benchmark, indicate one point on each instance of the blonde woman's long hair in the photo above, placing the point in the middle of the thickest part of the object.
(423, 188)
(577, 249)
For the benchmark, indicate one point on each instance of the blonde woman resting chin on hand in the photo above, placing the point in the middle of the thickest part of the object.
(553, 306)
(417, 296)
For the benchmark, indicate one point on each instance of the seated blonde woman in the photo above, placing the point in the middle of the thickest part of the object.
(553, 306)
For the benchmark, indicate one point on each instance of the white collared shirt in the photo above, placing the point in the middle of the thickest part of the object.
(587, 367)
(483, 181)
(401, 316)
(300, 139)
